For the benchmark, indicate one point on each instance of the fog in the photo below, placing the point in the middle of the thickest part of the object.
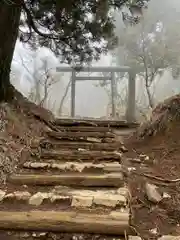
(93, 100)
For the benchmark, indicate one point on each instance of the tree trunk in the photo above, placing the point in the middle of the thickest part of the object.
(9, 22)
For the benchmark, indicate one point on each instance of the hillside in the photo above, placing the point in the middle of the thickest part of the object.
(22, 124)
(157, 144)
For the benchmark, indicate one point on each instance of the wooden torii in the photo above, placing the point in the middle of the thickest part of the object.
(130, 110)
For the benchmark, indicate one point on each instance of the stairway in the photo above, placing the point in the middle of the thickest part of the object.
(75, 185)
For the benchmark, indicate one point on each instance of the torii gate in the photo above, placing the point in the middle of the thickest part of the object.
(130, 110)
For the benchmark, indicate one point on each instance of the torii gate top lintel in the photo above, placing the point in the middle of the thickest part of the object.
(94, 69)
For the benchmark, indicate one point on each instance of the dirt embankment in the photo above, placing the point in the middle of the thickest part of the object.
(22, 124)
(159, 138)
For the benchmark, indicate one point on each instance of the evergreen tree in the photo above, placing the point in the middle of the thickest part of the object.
(78, 30)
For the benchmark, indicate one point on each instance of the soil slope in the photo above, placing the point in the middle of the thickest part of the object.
(159, 139)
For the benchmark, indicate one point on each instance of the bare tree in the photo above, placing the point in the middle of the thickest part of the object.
(42, 78)
(152, 46)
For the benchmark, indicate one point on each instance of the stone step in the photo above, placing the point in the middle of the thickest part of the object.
(115, 223)
(69, 179)
(81, 154)
(78, 198)
(74, 166)
(55, 144)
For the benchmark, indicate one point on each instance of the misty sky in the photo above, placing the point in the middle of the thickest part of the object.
(91, 100)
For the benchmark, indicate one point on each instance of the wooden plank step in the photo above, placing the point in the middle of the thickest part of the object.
(83, 145)
(74, 166)
(73, 179)
(81, 154)
(84, 129)
(78, 198)
(63, 221)
(63, 134)
(95, 122)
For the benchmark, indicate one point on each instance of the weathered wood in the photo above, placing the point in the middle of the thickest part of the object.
(71, 222)
(80, 155)
(84, 145)
(73, 93)
(60, 135)
(91, 180)
(84, 129)
(74, 166)
(94, 122)
(96, 69)
(92, 78)
(131, 105)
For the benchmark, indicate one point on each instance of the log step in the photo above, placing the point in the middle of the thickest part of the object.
(79, 198)
(69, 179)
(81, 155)
(63, 221)
(84, 129)
(66, 134)
(83, 145)
(74, 166)
(95, 123)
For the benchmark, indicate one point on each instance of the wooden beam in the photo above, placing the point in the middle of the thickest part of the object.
(113, 98)
(73, 94)
(80, 134)
(92, 78)
(70, 222)
(94, 69)
(88, 180)
(84, 145)
(84, 129)
(95, 122)
(80, 155)
(86, 167)
(131, 105)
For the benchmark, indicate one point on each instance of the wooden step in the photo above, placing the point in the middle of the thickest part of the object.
(74, 166)
(84, 129)
(60, 135)
(83, 145)
(91, 180)
(65, 196)
(95, 122)
(63, 221)
(81, 155)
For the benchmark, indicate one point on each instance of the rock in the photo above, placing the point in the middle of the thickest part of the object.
(80, 201)
(36, 165)
(2, 194)
(38, 198)
(144, 157)
(24, 235)
(134, 238)
(123, 191)
(169, 237)
(123, 149)
(166, 195)
(109, 200)
(40, 235)
(154, 231)
(22, 195)
(55, 198)
(152, 193)
(95, 140)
